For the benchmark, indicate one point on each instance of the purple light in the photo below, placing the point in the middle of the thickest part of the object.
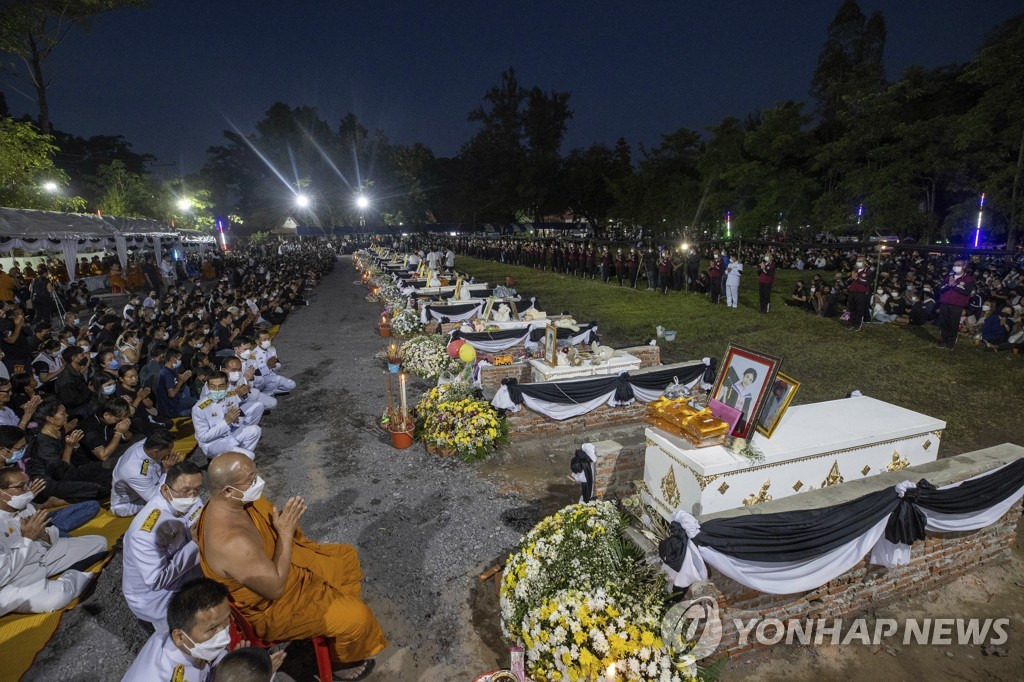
(981, 209)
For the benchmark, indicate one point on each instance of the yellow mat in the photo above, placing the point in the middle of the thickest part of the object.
(22, 637)
(274, 330)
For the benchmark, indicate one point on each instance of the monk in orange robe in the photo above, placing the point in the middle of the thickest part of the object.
(285, 585)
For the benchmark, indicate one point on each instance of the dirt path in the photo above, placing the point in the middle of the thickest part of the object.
(425, 528)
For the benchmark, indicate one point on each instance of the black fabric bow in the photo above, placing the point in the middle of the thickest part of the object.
(581, 464)
(907, 522)
(709, 371)
(672, 549)
(623, 390)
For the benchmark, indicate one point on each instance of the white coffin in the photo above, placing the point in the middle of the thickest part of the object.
(624, 362)
(814, 446)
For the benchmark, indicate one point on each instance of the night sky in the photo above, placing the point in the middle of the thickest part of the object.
(166, 77)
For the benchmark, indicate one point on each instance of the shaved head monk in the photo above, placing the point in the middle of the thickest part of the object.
(287, 586)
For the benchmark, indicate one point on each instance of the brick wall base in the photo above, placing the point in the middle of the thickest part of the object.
(526, 423)
(619, 463)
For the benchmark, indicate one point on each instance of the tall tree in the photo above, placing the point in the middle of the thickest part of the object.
(992, 132)
(125, 193)
(32, 29)
(28, 177)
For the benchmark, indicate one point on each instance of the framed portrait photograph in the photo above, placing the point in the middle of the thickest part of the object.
(551, 345)
(743, 383)
(458, 289)
(780, 395)
(488, 307)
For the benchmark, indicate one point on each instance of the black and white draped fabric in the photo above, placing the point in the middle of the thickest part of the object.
(492, 342)
(566, 399)
(456, 312)
(582, 468)
(798, 551)
(585, 333)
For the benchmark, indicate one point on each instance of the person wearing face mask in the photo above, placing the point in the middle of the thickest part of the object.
(220, 424)
(63, 516)
(715, 272)
(140, 471)
(954, 294)
(32, 550)
(159, 553)
(108, 429)
(48, 364)
(285, 585)
(198, 635)
(265, 356)
(241, 381)
(71, 387)
(857, 294)
(173, 397)
(765, 281)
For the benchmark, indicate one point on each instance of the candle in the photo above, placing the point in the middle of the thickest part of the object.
(401, 390)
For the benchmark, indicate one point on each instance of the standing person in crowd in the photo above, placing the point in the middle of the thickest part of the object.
(715, 272)
(765, 280)
(651, 269)
(857, 294)
(664, 272)
(733, 274)
(42, 297)
(953, 296)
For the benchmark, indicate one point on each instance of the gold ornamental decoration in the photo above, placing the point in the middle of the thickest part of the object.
(897, 462)
(833, 476)
(797, 486)
(758, 498)
(722, 488)
(865, 470)
(669, 488)
(927, 444)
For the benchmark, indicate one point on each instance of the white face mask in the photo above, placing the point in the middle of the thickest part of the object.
(957, 269)
(213, 647)
(767, 258)
(265, 344)
(234, 377)
(254, 492)
(21, 501)
(986, 307)
(183, 504)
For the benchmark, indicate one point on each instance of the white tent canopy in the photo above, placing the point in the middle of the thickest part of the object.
(32, 230)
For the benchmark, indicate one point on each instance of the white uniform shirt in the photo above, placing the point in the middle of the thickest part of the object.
(209, 423)
(161, 661)
(733, 271)
(261, 356)
(159, 557)
(137, 478)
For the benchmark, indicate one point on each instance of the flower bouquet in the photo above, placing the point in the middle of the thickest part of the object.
(406, 323)
(427, 356)
(468, 427)
(581, 600)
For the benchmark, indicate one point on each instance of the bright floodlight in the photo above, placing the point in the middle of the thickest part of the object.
(301, 200)
(184, 204)
(50, 186)
(362, 202)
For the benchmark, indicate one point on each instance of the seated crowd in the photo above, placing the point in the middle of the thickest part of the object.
(89, 405)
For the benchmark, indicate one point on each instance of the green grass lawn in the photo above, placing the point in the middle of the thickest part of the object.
(979, 394)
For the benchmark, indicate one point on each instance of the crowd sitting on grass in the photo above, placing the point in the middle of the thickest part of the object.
(905, 285)
(92, 404)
